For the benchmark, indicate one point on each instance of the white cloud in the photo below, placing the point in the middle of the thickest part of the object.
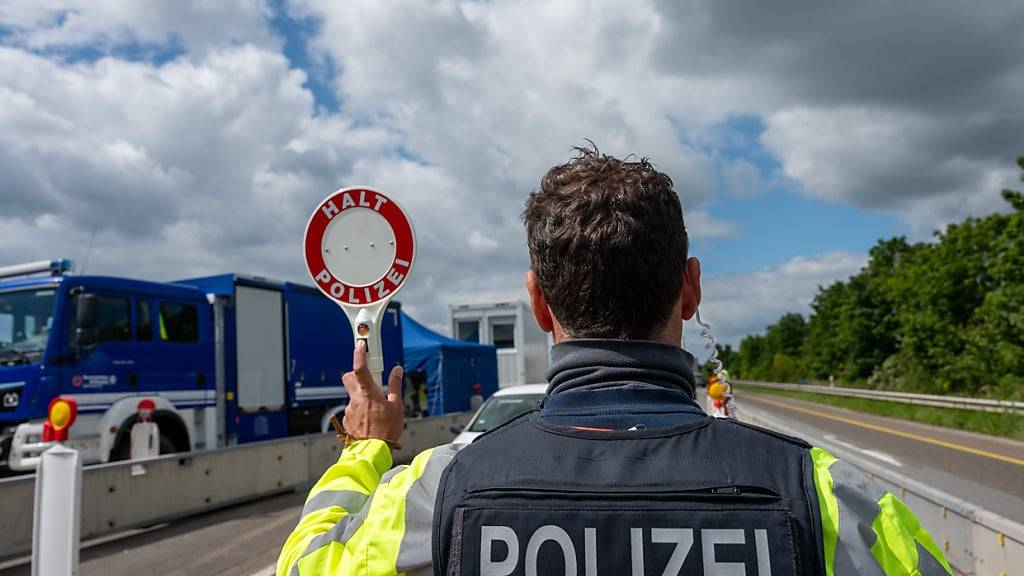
(194, 24)
(884, 159)
(700, 224)
(741, 178)
(497, 93)
(741, 304)
(195, 158)
(211, 161)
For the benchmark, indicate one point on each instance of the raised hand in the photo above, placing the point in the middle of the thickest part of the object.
(372, 412)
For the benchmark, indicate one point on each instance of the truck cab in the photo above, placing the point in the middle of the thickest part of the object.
(142, 339)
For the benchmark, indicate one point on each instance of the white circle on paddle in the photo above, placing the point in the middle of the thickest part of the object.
(358, 246)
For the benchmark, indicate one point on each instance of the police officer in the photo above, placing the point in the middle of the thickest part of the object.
(620, 472)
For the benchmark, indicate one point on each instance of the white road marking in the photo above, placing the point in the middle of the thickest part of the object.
(829, 439)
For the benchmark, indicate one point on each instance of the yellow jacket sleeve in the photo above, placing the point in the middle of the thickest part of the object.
(866, 530)
(361, 518)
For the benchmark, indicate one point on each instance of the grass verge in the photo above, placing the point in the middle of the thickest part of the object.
(992, 423)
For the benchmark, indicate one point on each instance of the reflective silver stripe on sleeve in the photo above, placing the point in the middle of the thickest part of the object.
(346, 527)
(349, 500)
(858, 497)
(414, 549)
(927, 565)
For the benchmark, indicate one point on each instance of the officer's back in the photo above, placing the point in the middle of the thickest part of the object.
(620, 472)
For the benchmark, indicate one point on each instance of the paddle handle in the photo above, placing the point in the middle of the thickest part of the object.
(366, 327)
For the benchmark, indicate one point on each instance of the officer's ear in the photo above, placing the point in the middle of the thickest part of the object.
(541, 312)
(691, 288)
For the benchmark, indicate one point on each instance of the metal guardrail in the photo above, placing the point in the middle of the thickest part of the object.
(958, 402)
(124, 495)
(975, 541)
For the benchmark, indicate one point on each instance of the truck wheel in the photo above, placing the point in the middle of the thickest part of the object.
(167, 445)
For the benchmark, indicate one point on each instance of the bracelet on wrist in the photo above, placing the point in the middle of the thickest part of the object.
(346, 438)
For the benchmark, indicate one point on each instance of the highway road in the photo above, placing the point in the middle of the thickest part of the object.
(244, 540)
(239, 541)
(980, 469)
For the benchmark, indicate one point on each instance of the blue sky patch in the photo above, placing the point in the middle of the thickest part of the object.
(777, 221)
(320, 71)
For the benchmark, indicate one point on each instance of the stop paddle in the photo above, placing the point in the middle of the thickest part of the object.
(359, 248)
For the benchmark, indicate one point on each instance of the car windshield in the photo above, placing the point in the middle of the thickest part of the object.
(26, 317)
(500, 409)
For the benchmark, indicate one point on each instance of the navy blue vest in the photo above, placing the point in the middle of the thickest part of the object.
(715, 497)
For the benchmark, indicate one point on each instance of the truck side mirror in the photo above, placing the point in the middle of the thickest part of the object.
(86, 316)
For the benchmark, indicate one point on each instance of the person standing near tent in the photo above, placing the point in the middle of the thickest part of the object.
(476, 400)
(620, 472)
(421, 399)
(409, 401)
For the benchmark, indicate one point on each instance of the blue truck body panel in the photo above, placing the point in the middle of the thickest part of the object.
(321, 342)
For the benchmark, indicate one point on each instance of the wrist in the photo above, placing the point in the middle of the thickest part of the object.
(347, 439)
(372, 449)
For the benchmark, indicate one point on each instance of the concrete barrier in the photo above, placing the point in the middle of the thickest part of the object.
(125, 495)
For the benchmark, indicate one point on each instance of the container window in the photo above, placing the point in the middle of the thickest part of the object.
(503, 335)
(468, 330)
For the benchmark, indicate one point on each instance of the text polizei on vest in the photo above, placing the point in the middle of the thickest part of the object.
(682, 538)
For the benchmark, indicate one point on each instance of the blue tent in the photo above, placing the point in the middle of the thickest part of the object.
(451, 366)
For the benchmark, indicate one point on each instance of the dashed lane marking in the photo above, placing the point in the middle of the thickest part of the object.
(894, 432)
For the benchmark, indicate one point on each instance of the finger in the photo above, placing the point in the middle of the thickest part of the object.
(360, 365)
(395, 384)
(351, 384)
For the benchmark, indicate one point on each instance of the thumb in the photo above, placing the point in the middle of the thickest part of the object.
(395, 384)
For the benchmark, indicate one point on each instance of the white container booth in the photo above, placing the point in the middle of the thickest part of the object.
(523, 349)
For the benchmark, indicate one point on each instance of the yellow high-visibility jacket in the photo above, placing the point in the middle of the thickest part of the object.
(365, 518)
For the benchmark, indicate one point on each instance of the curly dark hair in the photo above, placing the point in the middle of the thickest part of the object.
(608, 245)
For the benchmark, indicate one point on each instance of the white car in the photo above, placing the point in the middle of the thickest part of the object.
(504, 405)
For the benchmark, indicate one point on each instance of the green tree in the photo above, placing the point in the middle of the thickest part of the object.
(943, 316)
(753, 360)
(994, 340)
(787, 335)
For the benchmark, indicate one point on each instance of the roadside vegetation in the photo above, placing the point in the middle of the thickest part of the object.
(939, 317)
(994, 423)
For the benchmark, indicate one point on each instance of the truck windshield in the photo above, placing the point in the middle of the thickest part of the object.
(26, 317)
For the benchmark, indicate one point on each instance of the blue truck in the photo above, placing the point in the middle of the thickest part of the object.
(225, 359)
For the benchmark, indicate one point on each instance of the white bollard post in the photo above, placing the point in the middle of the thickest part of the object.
(57, 513)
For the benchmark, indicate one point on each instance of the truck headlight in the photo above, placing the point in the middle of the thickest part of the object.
(10, 399)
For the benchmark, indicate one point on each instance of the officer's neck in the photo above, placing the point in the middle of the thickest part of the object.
(592, 364)
(671, 333)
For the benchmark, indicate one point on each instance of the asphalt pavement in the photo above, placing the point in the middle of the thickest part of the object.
(242, 540)
(245, 540)
(984, 470)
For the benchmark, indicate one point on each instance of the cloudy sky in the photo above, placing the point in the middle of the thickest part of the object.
(186, 138)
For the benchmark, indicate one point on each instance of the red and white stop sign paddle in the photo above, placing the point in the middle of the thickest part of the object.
(359, 248)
